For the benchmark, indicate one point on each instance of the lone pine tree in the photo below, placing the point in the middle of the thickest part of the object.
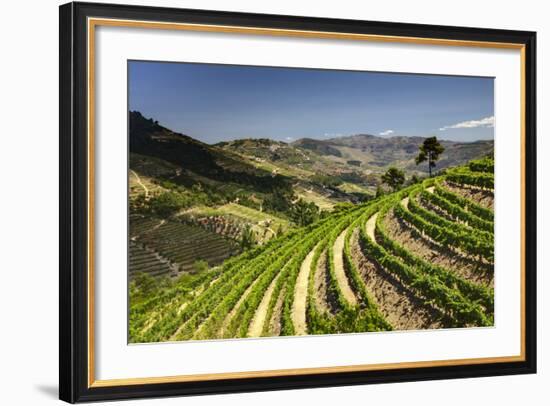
(430, 150)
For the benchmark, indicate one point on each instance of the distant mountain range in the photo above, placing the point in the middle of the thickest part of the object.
(375, 152)
(338, 169)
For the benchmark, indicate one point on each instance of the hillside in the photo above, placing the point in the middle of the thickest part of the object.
(378, 153)
(346, 168)
(229, 197)
(149, 138)
(194, 205)
(418, 258)
(246, 186)
(283, 158)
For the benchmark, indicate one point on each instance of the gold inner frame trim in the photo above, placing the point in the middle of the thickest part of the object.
(94, 22)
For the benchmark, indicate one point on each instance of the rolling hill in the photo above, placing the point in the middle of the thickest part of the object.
(241, 193)
(419, 258)
(149, 138)
(378, 153)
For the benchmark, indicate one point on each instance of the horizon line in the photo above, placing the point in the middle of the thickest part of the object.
(318, 138)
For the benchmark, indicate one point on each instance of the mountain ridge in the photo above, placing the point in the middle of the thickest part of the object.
(381, 152)
(341, 168)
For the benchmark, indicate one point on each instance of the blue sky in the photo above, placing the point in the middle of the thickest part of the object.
(215, 103)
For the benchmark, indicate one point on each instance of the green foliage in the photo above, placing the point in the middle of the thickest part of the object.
(287, 280)
(430, 150)
(342, 207)
(248, 238)
(279, 201)
(284, 261)
(362, 317)
(414, 180)
(200, 266)
(183, 324)
(355, 278)
(486, 164)
(326, 180)
(394, 178)
(458, 212)
(223, 301)
(431, 216)
(477, 210)
(245, 200)
(464, 176)
(453, 237)
(167, 184)
(303, 213)
(166, 204)
(258, 278)
(461, 311)
(156, 300)
(352, 177)
(471, 291)
(144, 284)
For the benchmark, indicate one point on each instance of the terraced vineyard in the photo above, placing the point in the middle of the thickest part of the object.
(162, 247)
(419, 258)
(144, 260)
(264, 225)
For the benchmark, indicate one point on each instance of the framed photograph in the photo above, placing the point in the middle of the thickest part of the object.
(257, 202)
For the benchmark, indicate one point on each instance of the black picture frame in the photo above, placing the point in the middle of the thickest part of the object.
(73, 284)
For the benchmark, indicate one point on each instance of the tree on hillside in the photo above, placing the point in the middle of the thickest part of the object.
(168, 203)
(394, 178)
(414, 180)
(430, 150)
(145, 284)
(248, 239)
(280, 200)
(304, 213)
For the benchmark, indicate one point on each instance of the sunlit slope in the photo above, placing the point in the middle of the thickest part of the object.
(418, 258)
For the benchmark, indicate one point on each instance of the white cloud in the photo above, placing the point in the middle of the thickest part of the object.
(289, 139)
(484, 122)
(387, 132)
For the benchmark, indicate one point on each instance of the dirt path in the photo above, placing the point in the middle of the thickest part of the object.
(159, 224)
(275, 321)
(320, 284)
(140, 182)
(338, 254)
(257, 323)
(300, 296)
(371, 226)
